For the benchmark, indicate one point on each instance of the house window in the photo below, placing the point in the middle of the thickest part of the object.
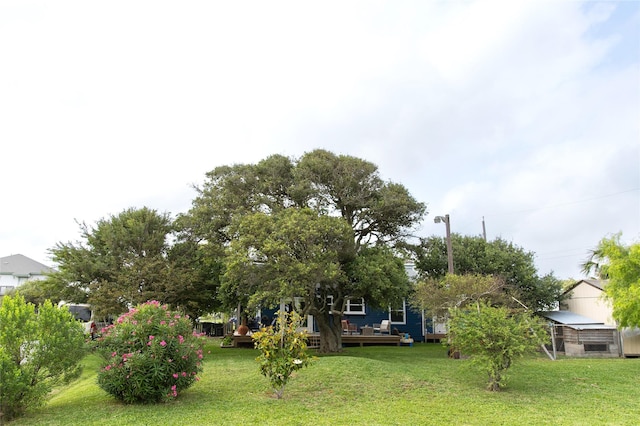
(355, 307)
(398, 313)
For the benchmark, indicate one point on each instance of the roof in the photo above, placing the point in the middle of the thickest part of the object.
(20, 265)
(575, 321)
(594, 283)
(569, 318)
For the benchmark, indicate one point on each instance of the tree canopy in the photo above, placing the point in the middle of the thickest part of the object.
(499, 258)
(438, 295)
(321, 208)
(125, 260)
(619, 264)
(291, 253)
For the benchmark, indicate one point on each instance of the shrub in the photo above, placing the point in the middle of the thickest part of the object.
(37, 351)
(494, 337)
(282, 351)
(150, 355)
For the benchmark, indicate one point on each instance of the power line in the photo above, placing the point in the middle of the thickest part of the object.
(585, 255)
(568, 203)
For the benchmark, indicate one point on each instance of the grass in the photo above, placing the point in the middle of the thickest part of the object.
(369, 386)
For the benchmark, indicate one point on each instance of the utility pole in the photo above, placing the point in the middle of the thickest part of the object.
(447, 224)
(484, 230)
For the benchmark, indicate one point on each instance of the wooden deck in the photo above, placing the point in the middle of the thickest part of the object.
(347, 340)
(434, 337)
(373, 339)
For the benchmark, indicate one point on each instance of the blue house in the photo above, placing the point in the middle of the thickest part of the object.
(403, 319)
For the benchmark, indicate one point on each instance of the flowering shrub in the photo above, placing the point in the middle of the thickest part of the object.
(150, 355)
(282, 351)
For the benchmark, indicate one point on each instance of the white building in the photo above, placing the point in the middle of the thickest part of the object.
(17, 269)
(586, 297)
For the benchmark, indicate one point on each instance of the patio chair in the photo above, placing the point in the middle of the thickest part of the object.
(353, 328)
(383, 327)
(345, 326)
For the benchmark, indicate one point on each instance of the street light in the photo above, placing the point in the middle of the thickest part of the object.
(445, 219)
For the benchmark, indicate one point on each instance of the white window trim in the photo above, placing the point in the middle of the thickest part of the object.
(347, 308)
(404, 314)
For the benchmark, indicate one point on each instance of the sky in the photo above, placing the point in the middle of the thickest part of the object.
(526, 114)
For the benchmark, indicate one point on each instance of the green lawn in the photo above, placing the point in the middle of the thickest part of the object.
(370, 386)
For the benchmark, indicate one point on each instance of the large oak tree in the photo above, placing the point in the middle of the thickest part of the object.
(345, 189)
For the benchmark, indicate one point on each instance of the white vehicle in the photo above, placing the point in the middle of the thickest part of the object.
(83, 313)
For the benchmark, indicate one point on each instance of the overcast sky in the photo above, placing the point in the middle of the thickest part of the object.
(526, 114)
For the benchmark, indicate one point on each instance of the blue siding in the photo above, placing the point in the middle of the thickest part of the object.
(413, 324)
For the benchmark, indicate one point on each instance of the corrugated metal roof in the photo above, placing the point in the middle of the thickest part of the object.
(599, 326)
(570, 318)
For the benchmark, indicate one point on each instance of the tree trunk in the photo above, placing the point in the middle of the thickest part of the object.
(330, 333)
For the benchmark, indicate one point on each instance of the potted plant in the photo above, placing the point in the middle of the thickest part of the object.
(227, 342)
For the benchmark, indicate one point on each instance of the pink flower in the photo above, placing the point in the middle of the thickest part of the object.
(184, 374)
(114, 353)
(151, 337)
(175, 375)
(163, 343)
(180, 339)
(163, 322)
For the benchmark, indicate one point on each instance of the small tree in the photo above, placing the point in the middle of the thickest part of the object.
(494, 337)
(438, 295)
(282, 350)
(150, 355)
(620, 265)
(37, 351)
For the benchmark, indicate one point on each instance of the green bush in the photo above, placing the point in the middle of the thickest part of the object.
(150, 355)
(38, 349)
(282, 351)
(494, 337)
